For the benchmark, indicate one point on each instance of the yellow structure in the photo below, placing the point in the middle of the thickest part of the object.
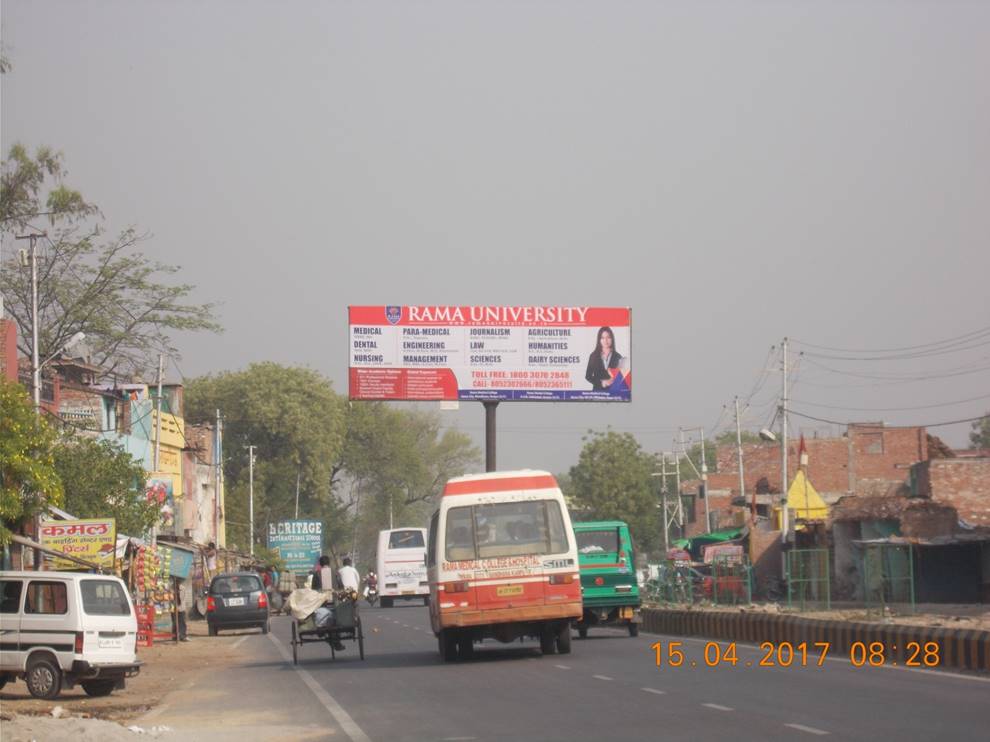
(170, 451)
(803, 500)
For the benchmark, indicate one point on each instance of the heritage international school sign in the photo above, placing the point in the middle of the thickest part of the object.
(490, 353)
(298, 542)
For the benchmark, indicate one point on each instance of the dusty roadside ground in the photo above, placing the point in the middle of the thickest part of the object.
(167, 666)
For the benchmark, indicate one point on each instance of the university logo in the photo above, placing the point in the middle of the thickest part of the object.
(393, 315)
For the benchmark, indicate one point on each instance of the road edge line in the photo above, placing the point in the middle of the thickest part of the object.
(350, 727)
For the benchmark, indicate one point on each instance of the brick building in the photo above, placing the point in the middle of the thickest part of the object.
(870, 459)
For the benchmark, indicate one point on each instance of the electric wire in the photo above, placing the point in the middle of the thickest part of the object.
(948, 341)
(888, 427)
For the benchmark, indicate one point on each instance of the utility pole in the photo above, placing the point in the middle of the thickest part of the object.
(35, 365)
(251, 497)
(218, 477)
(158, 439)
(298, 475)
(158, 412)
(703, 474)
(742, 479)
(783, 447)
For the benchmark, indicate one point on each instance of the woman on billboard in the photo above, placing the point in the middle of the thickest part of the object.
(603, 358)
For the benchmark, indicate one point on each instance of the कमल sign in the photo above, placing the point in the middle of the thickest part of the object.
(93, 540)
(534, 354)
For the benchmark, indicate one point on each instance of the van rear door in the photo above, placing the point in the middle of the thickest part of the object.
(111, 627)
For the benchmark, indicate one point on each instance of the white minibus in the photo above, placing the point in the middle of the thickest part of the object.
(402, 565)
(502, 563)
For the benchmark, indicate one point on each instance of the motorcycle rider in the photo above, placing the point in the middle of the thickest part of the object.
(371, 587)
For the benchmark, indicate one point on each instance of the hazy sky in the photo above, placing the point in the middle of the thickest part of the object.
(735, 172)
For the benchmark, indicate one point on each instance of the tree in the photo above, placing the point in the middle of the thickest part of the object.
(613, 480)
(294, 420)
(29, 482)
(979, 437)
(87, 282)
(393, 466)
(102, 480)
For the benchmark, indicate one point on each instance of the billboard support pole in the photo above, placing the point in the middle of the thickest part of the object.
(490, 435)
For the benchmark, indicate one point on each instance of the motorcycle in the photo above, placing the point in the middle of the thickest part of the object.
(371, 594)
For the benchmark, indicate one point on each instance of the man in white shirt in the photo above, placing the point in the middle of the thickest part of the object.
(349, 576)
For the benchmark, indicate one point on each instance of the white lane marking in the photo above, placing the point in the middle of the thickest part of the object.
(238, 643)
(803, 728)
(562, 667)
(936, 673)
(654, 690)
(717, 707)
(602, 677)
(350, 727)
(457, 739)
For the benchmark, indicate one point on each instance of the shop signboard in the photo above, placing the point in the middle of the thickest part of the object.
(91, 539)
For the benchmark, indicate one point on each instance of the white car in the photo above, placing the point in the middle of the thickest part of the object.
(62, 628)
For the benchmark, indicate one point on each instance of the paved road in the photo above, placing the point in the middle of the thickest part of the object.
(608, 688)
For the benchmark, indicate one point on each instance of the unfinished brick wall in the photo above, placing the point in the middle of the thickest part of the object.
(868, 454)
(8, 350)
(961, 483)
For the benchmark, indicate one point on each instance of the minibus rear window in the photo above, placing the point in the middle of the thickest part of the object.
(505, 529)
(406, 540)
(597, 542)
(104, 598)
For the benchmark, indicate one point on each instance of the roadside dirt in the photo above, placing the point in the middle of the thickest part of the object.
(167, 666)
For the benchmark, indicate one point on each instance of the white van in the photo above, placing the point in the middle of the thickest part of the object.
(62, 628)
(401, 566)
(502, 562)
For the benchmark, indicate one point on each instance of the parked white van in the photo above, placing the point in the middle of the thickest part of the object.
(62, 628)
(503, 563)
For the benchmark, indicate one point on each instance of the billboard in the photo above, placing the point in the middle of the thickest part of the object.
(528, 354)
(93, 540)
(298, 542)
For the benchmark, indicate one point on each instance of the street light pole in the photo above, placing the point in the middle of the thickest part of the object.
(35, 365)
(251, 497)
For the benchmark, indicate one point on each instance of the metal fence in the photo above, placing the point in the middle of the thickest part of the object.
(888, 578)
(808, 582)
(724, 582)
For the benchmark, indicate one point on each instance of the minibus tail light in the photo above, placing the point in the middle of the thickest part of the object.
(456, 587)
(561, 579)
(211, 604)
(262, 600)
(79, 643)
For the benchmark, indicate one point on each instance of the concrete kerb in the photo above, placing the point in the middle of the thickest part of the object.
(967, 649)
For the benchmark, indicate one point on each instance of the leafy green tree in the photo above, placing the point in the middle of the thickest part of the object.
(87, 282)
(393, 466)
(103, 480)
(613, 480)
(979, 437)
(296, 423)
(29, 481)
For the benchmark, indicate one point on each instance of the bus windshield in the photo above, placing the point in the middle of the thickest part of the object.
(505, 529)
